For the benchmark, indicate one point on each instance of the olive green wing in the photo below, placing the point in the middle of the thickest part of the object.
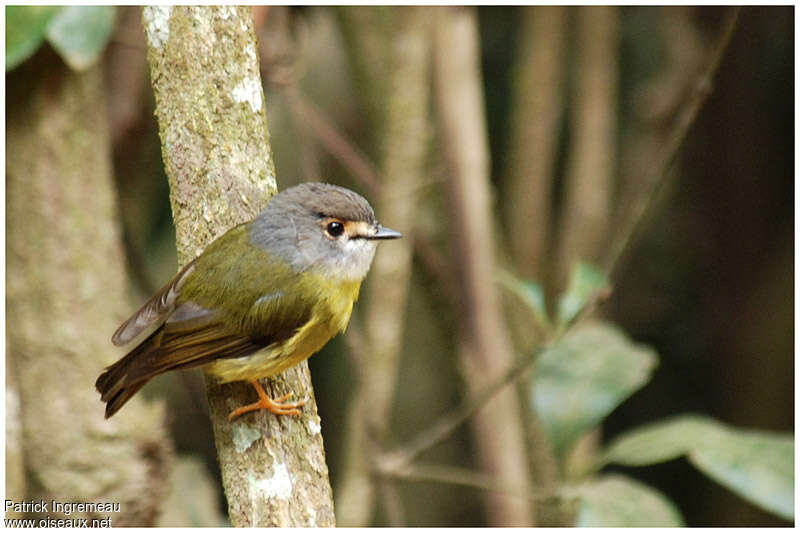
(193, 336)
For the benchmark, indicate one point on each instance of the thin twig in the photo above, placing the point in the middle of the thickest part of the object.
(536, 125)
(357, 164)
(403, 455)
(333, 141)
(460, 476)
(685, 119)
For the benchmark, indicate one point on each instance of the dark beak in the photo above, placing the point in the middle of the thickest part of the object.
(385, 233)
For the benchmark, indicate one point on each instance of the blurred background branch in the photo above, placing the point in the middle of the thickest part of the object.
(697, 91)
(484, 346)
(591, 163)
(536, 131)
(398, 86)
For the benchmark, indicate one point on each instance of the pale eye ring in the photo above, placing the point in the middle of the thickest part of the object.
(335, 229)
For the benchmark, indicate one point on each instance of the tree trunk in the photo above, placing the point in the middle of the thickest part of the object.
(215, 145)
(66, 293)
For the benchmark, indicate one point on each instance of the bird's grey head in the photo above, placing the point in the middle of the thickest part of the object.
(324, 228)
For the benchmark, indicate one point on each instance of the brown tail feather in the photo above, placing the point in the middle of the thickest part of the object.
(116, 385)
(121, 397)
(124, 378)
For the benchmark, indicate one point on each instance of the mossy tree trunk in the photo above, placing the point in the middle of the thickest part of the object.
(66, 293)
(215, 145)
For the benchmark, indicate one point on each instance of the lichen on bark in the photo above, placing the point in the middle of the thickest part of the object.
(215, 144)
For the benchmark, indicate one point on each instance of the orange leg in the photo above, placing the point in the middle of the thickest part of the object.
(265, 402)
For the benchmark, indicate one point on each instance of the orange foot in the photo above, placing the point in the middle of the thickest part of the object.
(265, 402)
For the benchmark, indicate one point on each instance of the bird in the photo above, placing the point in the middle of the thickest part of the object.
(261, 298)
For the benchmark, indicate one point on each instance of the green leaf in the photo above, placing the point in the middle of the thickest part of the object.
(80, 33)
(586, 284)
(619, 501)
(585, 376)
(662, 441)
(25, 29)
(756, 465)
(529, 292)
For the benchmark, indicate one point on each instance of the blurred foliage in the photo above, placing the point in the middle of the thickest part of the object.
(531, 294)
(619, 501)
(757, 465)
(593, 368)
(25, 30)
(585, 286)
(78, 33)
(583, 377)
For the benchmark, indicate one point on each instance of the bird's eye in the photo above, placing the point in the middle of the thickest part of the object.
(335, 229)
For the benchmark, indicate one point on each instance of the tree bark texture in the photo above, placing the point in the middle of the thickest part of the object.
(215, 145)
(66, 293)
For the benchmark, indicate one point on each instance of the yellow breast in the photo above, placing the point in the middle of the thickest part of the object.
(330, 315)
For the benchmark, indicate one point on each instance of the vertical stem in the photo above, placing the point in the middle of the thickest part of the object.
(536, 129)
(538, 108)
(485, 347)
(591, 165)
(215, 145)
(404, 141)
